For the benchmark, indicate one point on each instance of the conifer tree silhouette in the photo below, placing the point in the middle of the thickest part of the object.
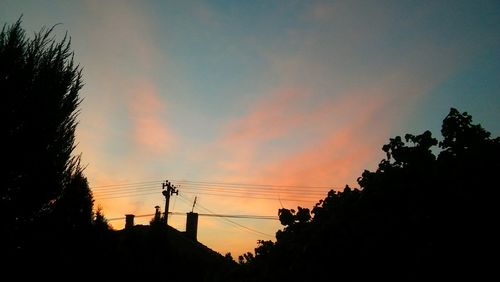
(39, 89)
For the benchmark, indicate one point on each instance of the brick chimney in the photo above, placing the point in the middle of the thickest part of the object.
(192, 225)
(129, 221)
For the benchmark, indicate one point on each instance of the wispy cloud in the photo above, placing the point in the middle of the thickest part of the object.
(336, 80)
(272, 118)
(147, 113)
(299, 136)
(327, 138)
(124, 127)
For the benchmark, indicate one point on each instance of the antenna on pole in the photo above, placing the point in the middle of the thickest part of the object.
(194, 203)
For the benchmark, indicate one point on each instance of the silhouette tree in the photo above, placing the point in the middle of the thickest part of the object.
(229, 257)
(100, 222)
(73, 209)
(39, 85)
(245, 258)
(417, 217)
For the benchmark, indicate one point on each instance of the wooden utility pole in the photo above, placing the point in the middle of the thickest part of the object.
(168, 190)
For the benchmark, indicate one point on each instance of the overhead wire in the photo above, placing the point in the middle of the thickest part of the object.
(127, 184)
(232, 222)
(248, 184)
(218, 189)
(211, 184)
(294, 193)
(241, 216)
(124, 196)
(251, 197)
(260, 190)
(126, 190)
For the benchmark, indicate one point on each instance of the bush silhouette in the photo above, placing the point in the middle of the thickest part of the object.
(417, 217)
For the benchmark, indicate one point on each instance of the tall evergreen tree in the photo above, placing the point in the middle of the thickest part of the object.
(73, 209)
(39, 85)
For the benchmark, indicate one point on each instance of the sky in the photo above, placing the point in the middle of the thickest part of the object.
(293, 98)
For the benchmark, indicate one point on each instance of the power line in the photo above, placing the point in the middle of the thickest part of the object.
(122, 190)
(127, 190)
(216, 189)
(208, 183)
(126, 194)
(253, 185)
(243, 216)
(232, 222)
(126, 184)
(121, 218)
(252, 197)
(239, 216)
(211, 189)
(253, 190)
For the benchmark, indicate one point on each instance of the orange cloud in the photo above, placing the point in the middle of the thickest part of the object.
(287, 114)
(272, 117)
(292, 136)
(325, 141)
(334, 160)
(123, 127)
(150, 131)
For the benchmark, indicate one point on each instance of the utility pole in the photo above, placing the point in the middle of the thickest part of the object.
(168, 190)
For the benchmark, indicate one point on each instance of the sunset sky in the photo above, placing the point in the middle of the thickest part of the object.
(296, 94)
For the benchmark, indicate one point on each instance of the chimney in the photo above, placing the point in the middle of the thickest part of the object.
(129, 221)
(192, 225)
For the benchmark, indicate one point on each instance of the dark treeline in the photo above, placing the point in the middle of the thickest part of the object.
(418, 217)
(426, 213)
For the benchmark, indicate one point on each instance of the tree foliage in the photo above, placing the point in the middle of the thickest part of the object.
(73, 209)
(39, 86)
(417, 217)
(100, 222)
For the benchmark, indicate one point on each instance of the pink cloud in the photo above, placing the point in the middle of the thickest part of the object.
(287, 113)
(344, 133)
(150, 131)
(333, 160)
(333, 138)
(270, 118)
(122, 104)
